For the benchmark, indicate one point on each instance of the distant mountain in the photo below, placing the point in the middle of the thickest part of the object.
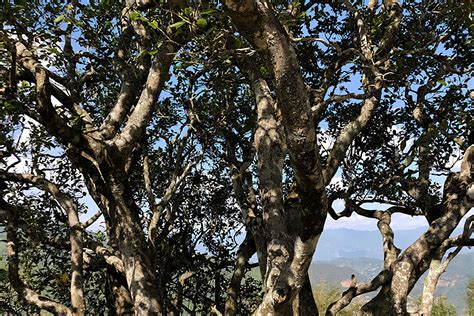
(333, 275)
(351, 243)
(337, 272)
(343, 252)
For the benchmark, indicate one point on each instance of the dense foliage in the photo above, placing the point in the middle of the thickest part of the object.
(149, 149)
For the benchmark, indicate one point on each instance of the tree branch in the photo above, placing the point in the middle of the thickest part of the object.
(350, 132)
(245, 252)
(134, 130)
(26, 293)
(92, 219)
(382, 278)
(166, 198)
(54, 123)
(75, 231)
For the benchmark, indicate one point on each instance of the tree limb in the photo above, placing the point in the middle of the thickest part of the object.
(75, 231)
(26, 293)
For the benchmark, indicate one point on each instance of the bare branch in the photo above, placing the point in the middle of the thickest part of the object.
(26, 293)
(350, 132)
(92, 219)
(381, 279)
(166, 198)
(75, 231)
(134, 130)
(245, 252)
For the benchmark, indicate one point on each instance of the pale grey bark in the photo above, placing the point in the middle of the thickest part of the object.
(255, 20)
(437, 267)
(75, 233)
(25, 292)
(134, 128)
(92, 219)
(414, 261)
(52, 121)
(246, 250)
(351, 131)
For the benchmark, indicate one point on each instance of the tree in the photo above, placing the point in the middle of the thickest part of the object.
(470, 297)
(440, 307)
(175, 117)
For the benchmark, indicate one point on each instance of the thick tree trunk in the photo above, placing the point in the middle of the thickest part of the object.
(307, 305)
(128, 234)
(288, 256)
(379, 305)
(110, 190)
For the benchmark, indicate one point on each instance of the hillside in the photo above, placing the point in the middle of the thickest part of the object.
(452, 283)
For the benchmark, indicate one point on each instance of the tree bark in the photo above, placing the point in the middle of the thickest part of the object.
(117, 293)
(289, 253)
(415, 260)
(25, 292)
(437, 268)
(246, 250)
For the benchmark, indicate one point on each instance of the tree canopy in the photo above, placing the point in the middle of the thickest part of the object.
(202, 133)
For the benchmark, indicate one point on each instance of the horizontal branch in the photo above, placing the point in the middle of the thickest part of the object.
(347, 296)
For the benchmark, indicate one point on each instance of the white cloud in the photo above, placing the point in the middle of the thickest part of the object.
(354, 222)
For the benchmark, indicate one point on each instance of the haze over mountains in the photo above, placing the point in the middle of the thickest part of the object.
(343, 252)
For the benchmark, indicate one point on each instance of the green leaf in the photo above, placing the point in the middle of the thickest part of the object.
(443, 82)
(153, 24)
(208, 11)
(140, 54)
(201, 22)
(153, 52)
(59, 19)
(210, 30)
(177, 25)
(8, 105)
(54, 51)
(403, 144)
(135, 15)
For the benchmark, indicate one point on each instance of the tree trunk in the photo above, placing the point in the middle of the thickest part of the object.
(307, 305)
(109, 187)
(379, 305)
(437, 268)
(139, 272)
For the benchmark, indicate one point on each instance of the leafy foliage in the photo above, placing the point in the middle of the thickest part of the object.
(198, 136)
